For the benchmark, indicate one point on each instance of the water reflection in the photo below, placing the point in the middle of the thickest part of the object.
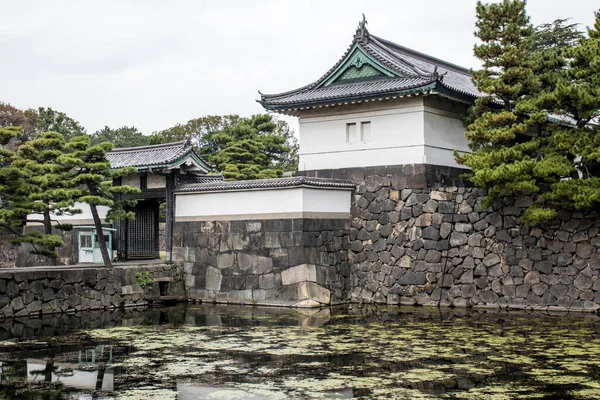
(70, 375)
(205, 351)
(188, 391)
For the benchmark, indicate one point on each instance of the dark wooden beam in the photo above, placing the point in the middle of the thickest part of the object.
(170, 217)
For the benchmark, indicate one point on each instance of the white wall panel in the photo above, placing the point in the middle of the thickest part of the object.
(264, 203)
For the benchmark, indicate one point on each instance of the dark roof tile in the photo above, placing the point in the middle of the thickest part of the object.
(160, 155)
(266, 184)
(415, 73)
(197, 179)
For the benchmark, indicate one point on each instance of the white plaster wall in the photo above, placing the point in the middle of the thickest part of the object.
(404, 131)
(325, 201)
(156, 181)
(132, 180)
(77, 219)
(444, 133)
(273, 203)
(397, 136)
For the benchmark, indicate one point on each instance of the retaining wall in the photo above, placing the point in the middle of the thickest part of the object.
(416, 240)
(38, 291)
(8, 251)
(67, 253)
(298, 262)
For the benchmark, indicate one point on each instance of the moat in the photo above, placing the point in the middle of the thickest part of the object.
(226, 352)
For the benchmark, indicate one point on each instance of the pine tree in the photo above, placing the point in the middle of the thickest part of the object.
(576, 98)
(93, 175)
(243, 148)
(251, 149)
(532, 127)
(7, 175)
(122, 137)
(42, 189)
(49, 120)
(503, 158)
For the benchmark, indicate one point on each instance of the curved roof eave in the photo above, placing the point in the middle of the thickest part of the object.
(404, 62)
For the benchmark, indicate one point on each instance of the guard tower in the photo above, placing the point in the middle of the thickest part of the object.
(381, 104)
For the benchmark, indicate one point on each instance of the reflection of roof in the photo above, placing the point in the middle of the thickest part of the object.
(277, 183)
(374, 69)
(167, 155)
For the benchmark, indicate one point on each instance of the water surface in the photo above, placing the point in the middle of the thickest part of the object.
(226, 352)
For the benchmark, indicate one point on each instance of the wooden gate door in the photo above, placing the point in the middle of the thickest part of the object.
(142, 233)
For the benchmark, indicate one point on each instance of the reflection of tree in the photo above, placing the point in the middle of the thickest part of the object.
(46, 372)
(50, 368)
(93, 356)
(100, 377)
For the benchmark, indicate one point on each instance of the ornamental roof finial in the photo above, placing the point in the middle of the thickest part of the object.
(361, 32)
(363, 24)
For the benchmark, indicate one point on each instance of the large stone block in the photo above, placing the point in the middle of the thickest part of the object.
(583, 282)
(266, 281)
(263, 265)
(299, 273)
(458, 239)
(312, 291)
(225, 260)
(234, 296)
(213, 278)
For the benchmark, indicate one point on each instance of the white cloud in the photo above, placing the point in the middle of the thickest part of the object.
(154, 63)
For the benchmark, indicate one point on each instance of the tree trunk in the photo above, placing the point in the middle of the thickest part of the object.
(100, 235)
(100, 377)
(48, 370)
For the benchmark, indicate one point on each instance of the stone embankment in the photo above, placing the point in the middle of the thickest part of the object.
(440, 246)
(8, 251)
(51, 290)
(282, 262)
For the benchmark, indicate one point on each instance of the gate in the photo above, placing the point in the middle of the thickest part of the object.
(142, 232)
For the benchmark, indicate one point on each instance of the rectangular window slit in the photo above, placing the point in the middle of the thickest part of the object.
(351, 134)
(365, 131)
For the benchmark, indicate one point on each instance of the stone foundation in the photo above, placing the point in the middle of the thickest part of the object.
(438, 245)
(67, 253)
(38, 291)
(416, 236)
(8, 251)
(284, 262)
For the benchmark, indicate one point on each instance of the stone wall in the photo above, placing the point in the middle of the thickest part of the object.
(38, 291)
(161, 236)
(8, 251)
(61, 324)
(417, 240)
(283, 262)
(67, 253)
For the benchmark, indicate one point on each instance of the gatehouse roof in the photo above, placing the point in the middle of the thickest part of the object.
(160, 156)
(273, 183)
(371, 69)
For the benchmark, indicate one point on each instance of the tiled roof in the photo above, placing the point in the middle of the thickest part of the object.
(267, 184)
(449, 75)
(353, 90)
(413, 73)
(196, 179)
(155, 156)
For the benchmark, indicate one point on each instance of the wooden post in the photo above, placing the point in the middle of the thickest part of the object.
(156, 229)
(170, 217)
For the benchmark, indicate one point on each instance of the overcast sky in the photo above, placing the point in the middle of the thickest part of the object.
(153, 64)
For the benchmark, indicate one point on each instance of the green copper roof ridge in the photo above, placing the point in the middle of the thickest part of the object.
(348, 62)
